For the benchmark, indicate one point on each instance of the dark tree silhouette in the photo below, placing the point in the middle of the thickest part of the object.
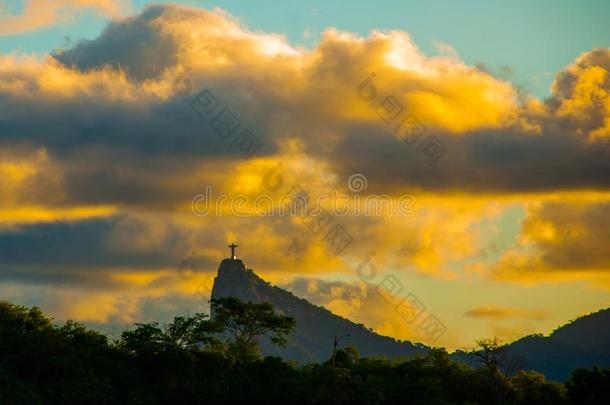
(532, 387)
(198, 360)
(183, 332)
(494, 357)
(244, 323)
(589, 386)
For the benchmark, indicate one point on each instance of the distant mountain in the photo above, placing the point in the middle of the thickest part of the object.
(582, 343)
(312, 340)
(591, 331)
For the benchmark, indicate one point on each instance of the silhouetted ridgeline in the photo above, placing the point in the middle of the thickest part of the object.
(184, 364)
(41, 363)
(197, 360)
(582, 343)
(311, 341)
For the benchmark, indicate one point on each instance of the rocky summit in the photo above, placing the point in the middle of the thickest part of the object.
(313, 338)
(582, 343)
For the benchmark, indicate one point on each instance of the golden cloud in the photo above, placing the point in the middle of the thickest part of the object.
(562, 239)
(582, 94)
(38, 14)
(115, 156)
(499, 312)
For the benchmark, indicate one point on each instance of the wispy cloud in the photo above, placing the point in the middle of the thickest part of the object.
(39, 14)
(498, 312)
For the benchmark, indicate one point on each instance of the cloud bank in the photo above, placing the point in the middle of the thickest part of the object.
(101, 155)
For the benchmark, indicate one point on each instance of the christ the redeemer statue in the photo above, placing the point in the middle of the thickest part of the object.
(233, 246)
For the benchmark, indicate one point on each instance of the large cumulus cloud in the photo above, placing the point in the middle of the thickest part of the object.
(101, 155)
(118, 95)
(561, 240)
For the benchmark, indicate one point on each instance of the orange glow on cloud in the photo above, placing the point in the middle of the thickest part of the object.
(308, 102)
(38, 14)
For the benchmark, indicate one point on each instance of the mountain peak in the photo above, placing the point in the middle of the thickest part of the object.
(582, 343)
(231, 265)
(316, 327)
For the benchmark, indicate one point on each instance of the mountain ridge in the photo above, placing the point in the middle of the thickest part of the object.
(584, 342)
(581, 343)
(312, 340)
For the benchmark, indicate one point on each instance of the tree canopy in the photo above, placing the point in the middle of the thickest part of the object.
(196, 360)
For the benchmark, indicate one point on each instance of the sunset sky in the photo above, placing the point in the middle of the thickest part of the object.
(103, 156)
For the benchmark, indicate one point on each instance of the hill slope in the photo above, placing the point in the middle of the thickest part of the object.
(582, 343)
(312, 340)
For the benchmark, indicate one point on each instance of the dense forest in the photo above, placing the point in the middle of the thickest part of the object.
(196, 359)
